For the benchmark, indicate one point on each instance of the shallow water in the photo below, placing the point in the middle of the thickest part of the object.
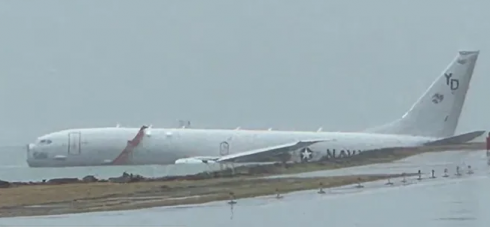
(13, 167)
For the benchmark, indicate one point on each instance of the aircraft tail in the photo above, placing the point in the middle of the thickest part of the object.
(436, 113)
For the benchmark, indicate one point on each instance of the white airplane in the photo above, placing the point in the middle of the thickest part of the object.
(431, 120)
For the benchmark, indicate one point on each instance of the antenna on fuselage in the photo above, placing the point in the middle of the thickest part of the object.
(320, 129)
(270, 129)
(118, 125)
(237, 128)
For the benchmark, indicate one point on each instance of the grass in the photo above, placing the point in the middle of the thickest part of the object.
(99, 196)
(48, 194)
(77, 198)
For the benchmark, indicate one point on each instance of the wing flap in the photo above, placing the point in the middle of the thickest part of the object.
(272, 150)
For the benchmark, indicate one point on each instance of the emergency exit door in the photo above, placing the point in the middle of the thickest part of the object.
(74, 143)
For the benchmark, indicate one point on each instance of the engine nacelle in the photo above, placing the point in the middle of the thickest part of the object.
(193, 161)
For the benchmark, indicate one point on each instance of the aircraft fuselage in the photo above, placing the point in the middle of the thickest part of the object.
(100, 146)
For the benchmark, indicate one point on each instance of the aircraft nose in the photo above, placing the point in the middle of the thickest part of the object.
(29, 148)
(34, 158)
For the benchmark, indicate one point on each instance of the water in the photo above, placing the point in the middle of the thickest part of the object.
(455, 201)
(13, 167)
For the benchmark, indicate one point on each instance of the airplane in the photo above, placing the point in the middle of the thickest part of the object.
(432, 119)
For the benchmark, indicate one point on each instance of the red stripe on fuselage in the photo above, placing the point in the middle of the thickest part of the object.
(128, 150)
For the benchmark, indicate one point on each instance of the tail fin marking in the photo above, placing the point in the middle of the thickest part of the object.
(437, 112)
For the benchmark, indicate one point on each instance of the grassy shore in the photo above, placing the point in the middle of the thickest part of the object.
(75, 198)
(103, 196)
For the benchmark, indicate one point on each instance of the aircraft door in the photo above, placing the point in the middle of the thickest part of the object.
(74, 143)
(224, 148)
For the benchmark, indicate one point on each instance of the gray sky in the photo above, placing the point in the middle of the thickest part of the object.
(343, 65)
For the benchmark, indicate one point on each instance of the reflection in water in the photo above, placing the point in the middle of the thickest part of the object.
(464, 201)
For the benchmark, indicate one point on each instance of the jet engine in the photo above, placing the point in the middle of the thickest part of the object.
(194, 161)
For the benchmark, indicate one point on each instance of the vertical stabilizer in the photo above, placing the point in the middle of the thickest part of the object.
(436, 113)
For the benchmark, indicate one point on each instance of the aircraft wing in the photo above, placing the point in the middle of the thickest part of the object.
(267, 151)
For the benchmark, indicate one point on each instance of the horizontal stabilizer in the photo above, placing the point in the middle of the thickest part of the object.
(462, 138)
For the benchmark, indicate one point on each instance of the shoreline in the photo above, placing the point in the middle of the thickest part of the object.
(72, 195)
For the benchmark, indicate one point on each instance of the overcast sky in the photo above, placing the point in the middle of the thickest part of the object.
(343, 65)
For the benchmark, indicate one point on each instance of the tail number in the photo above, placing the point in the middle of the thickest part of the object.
(452, 83)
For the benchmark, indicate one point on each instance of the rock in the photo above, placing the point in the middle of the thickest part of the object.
(128, 178)
(89, 179)
(118, 180)
(125, 178)
(136, 178)
(63, 180)
(4, 184)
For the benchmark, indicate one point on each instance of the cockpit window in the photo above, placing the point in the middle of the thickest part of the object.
(46, 141)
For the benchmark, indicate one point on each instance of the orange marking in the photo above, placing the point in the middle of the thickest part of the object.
(128, 150)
